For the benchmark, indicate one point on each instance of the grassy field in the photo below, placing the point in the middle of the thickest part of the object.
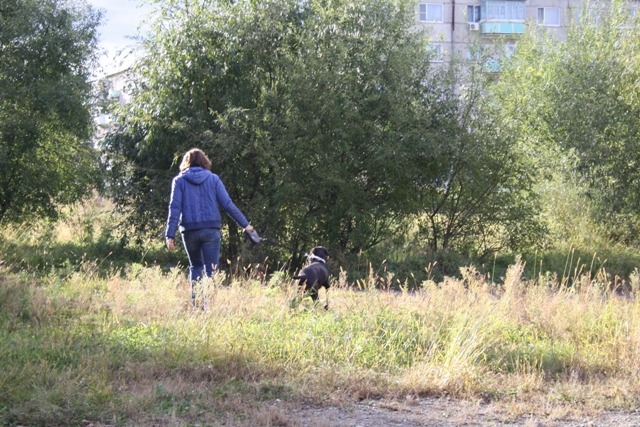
(83, 341)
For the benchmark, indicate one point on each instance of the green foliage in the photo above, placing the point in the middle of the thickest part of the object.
(328, 125)
(46, 157)
(85, 236)
(129, 347)
(305, 109)
(576, 111)
(80, 341)
(471, 190)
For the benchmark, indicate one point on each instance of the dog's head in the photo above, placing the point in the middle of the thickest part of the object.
(319, 252)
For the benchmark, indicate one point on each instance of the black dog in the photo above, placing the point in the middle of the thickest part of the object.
(316, 274)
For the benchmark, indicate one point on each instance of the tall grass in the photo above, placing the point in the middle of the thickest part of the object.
(122, 345)
(130, 349)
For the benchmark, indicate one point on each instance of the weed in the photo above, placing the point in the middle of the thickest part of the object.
(122, 345)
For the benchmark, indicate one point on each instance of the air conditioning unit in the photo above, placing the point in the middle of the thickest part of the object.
(474, 26)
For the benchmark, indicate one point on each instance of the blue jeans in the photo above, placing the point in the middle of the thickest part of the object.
(203, 250)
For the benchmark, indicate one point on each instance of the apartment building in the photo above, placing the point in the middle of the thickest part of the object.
(108, 91)
(455, 25)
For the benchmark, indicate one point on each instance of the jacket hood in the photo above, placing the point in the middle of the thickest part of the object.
(196, 175)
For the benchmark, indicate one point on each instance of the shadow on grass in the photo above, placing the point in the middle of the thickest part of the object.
(88, 368)
(107, 256)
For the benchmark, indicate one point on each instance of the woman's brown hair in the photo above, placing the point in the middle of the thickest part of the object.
(195, 157)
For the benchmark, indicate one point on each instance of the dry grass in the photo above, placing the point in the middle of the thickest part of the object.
(127, 348)
(130, 347)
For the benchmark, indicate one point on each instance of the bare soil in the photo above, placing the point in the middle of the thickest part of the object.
(433, 412)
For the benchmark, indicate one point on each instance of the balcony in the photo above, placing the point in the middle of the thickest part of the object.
(502, 27)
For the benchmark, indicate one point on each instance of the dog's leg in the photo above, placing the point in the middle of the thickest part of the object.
(299, 284)
(313, 293)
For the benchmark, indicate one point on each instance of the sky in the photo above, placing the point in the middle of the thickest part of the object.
(121, 20)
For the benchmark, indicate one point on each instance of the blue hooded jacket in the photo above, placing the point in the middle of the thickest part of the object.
(197, 195)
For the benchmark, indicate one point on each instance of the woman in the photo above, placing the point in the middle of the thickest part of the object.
(197, 195)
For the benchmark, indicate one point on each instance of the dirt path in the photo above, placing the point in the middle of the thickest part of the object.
(434, 413)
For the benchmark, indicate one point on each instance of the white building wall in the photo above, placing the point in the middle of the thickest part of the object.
(454, 34)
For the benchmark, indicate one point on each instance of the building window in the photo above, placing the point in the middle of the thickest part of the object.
(575, 13)
(581, 15)
(430, 12)
(502, 10)
(549, 16)
(509, 49)
(473, 13)
(435, 49)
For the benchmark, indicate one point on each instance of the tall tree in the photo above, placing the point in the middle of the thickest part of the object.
(478, 196)
(577, 109)
(46, 156)
(304, 108)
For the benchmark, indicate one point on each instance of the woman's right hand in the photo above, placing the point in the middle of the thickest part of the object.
(170, 244)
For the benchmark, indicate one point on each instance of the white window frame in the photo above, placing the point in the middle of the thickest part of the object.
(426, 12)
(474, 13)
(509, 49)
(503, 10)
(438, 52)
(592, 14)
(546, 14)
